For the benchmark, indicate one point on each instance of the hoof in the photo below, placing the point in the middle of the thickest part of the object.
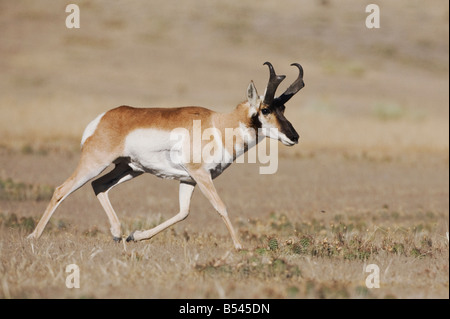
(131, 237)
(117, 239)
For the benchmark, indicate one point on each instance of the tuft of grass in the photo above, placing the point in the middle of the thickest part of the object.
(14, 190)
(91, 232)
(28, 149)
(262, 267)
(280, 222)
(273, 244)
(12, 221)
(349, 239)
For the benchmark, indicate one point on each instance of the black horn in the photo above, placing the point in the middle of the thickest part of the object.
(293, 88)
(272, 85)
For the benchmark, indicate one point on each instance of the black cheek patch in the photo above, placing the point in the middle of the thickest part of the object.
(255, 123)
(285, 126)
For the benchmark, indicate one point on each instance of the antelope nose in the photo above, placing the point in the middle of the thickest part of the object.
(295, 138)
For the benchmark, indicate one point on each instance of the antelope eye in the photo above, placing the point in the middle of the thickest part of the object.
(265, 111)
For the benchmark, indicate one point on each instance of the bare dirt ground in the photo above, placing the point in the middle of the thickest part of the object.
(367, 184)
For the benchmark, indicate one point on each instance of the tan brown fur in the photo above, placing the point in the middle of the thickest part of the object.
(231, 120)
(117, 123)
(109, 138)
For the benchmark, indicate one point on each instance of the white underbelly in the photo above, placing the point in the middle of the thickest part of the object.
(159, 164)
(152, 151)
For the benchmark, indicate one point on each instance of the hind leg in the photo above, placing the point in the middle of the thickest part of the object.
(121, 173)
(185, 194)
(85, 171)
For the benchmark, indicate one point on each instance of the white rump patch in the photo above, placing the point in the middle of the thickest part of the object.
(90, 129)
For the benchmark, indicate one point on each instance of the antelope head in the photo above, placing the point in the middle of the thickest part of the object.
(268, 110)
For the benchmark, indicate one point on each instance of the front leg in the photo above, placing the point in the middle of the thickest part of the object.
(205, 183)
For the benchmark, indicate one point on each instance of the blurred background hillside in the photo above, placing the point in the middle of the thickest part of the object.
(376, 90)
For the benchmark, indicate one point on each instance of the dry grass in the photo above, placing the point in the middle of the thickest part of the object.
(283, 260)
(311, 241)
(367, 184)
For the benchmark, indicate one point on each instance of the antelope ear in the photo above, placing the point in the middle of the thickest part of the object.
(253, 97)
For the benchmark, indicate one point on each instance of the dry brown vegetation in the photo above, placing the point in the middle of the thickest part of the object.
(367, 184)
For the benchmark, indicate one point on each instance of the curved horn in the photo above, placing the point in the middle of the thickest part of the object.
(272, 85)
(294, 87)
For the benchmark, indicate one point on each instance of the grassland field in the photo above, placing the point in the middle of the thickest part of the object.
(368, 182)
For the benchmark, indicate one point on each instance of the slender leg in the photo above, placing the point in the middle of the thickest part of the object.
(205, 183)
(186, 191)
(121, 173)
(85, 171)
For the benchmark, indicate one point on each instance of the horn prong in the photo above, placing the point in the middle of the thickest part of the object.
(272, 85)
(300, 69)
(296, 86)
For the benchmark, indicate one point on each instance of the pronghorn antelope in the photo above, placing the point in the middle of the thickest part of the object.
(137, 141)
